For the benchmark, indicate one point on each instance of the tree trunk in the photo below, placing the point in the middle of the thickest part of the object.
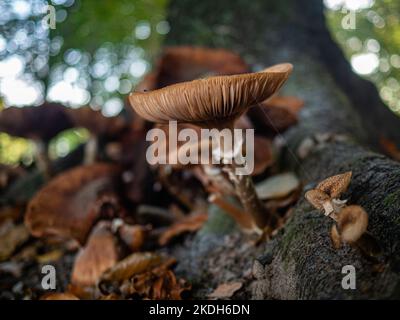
(300, 262)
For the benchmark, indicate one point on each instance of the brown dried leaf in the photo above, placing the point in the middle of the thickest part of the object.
(273, 119)
(263, 157)
(155, 284)
(277, 186)
(11, 237)
(190, 223)
(291, 104)
(99, 254)
(226, 290)
(390, 148)
(58, 296)
(70, 203)
(133, 236)
(136, 263)
(50, 256)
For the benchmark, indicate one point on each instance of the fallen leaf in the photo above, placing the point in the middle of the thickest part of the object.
(58, 296)
(11, 237)
(53, 255)
(99, 254)
(290, 103)
(263, 157)
(135, 263)
(390, 148)
(155, 284)
(226, 290)
(277, 186)
(70, 203)
(133, 236)
(190, 223)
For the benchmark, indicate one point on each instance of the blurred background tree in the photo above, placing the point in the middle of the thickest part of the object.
(373, 46)
(99, 51)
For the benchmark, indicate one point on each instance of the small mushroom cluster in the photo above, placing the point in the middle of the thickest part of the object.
(351, 221)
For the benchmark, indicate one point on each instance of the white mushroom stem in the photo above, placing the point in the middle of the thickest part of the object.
(216, 176)
(246, 192)
(333, 207)
(243, 185)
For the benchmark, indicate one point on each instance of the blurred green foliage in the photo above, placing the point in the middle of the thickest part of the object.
(97, 53)
(377, 35)
(101, 49)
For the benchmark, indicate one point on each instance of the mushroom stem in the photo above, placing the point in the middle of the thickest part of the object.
(216, 176)
(90, 150)
(246, 192)
(42, 158)
(238, 215)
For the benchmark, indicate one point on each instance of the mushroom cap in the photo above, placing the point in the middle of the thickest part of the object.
(186, 63)
(334, 186)
(352, 223)
(213, 102)
(95, 122)
(42, 122)
(317, 198)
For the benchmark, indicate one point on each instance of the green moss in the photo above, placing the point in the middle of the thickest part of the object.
(392, 199)
(219, 222)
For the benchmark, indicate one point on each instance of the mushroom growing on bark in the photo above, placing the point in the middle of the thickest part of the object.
(325, 197)
(351, 222)
(215, 103)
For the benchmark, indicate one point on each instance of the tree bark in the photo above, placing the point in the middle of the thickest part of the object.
(300, 262)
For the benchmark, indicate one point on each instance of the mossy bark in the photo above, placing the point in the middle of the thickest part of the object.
(300, 261)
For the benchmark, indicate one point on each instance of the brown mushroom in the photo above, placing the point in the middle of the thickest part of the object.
(352, 223)
(185, 63)
(351, 228)
(336, 185)
(325, 197)
(216, 102)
